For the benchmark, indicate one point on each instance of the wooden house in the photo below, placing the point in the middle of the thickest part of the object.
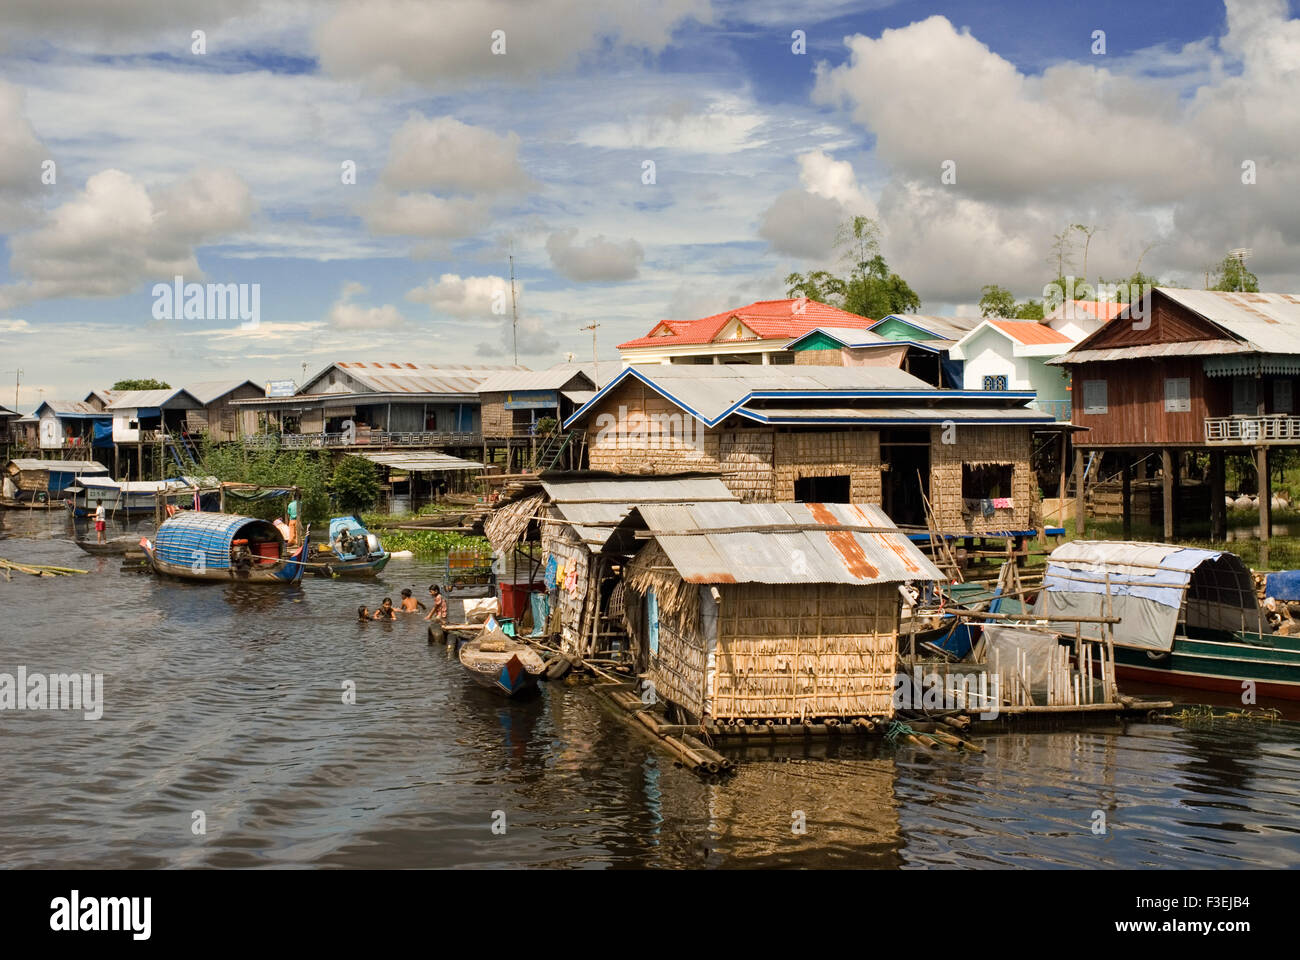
(1188, 370)
(826, 435)
(778, 611)
(72, 425)
(31, 479)
(219, 419)
(513, 402)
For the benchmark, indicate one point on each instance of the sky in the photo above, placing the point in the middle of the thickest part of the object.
(368, 168)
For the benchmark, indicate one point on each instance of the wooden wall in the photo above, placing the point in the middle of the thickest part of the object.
(497, 420)
(854, 452)
(1135, 402)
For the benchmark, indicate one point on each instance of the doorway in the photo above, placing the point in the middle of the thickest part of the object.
(907, 454)
(822, 489)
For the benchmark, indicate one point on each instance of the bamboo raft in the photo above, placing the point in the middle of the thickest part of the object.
(35, 569)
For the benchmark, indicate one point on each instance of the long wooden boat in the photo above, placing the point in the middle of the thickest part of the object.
(226, 547)
(352, 551)
(109, 548)
(1220, 661)
(499, 663)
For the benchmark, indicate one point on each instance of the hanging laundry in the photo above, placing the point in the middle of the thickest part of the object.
(549, 576)
(1002, 503)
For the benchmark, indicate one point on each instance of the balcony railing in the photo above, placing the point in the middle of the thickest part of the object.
(372, 438)
(1059, 409)
(1247, 431)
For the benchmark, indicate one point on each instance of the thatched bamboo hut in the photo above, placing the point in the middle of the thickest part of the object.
(786, 611)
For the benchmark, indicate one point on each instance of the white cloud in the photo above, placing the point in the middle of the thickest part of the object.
(597, 259)
(442, 153)
(115, 234)
(424, 215)
(346, 315)
(725, 125)
(386, 42)
(21, 156)
(803, 223)
(456, 296)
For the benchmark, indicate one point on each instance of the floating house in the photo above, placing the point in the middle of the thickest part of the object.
(377, 404)
(28, 479)
(826, 435)
(572, 516)
(758, 333)
(152, 425)
(7, 420)
(776, 611)
(514, 402)
(1187, 371)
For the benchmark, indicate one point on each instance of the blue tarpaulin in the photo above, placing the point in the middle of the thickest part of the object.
(1283, 585)
(103, 432)
(953, 372)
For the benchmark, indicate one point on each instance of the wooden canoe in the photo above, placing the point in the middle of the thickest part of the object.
(506, 666)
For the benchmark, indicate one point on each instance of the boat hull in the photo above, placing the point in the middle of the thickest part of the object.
(356, 567)
(511, 674)
(1272, 666)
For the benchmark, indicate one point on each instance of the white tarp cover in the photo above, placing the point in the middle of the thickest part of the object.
(1152, 586)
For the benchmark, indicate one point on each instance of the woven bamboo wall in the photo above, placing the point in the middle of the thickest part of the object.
(649, 435)
(828, 454)
(819, 358)
(497, 420)
(677, 670)
(559, 541)
(975, 445)
(745, 457)
(806, 650)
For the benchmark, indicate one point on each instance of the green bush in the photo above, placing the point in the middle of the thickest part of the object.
(355, 484)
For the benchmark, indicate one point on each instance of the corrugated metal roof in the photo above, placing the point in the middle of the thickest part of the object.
(1187, 348)
(905, 414)
(421, 461)
(579, 397)
(554, 378)
(75, 408)
(605, 503)
(849, 337)
(949, 328)
(64, 466)
(1029, 331)
(135, 399)
(793, 551)
(1269, 321)
(385, 377)
(210, 391)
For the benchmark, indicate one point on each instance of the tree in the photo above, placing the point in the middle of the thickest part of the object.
(355, 484)
(145, 384)
(818, 285)
(1230, 274)
(876, 291)
(998, 302)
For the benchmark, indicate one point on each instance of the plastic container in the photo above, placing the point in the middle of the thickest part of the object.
(515, 598)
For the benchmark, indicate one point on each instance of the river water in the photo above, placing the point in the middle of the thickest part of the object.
(223, 708)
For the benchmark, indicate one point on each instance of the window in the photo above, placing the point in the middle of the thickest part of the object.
(1243, 396)
(822, 489)
(1282, 398)
(1178, 395)
(1094, 396)
(986, 480)
(995, 383)
(783, 356)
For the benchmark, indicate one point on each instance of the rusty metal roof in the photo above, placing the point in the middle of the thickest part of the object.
(784, 543)
(1186, 348)
(555, 378)
(1270, 322)
(137, 399)
(596, 507)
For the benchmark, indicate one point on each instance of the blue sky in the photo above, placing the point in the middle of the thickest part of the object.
(225, 166)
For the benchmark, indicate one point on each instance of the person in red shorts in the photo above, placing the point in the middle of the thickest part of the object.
(99, 523)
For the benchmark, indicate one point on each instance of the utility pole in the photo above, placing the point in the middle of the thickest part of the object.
(18, 376)
(595, 364)
(514, 307)
(1240, 255)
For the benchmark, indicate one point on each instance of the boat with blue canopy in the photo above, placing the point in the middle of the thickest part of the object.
(225, 546)
(352, 551)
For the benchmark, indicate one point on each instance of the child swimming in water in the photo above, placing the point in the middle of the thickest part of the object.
(409, 603)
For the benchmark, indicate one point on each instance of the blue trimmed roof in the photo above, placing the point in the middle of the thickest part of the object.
(188, 533)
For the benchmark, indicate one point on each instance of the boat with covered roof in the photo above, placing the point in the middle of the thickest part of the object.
(225, 546)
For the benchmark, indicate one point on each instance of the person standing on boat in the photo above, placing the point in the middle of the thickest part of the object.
(438, 610)
(99, 523)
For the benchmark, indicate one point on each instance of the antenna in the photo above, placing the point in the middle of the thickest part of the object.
(18, 376)
(595, 364)
(514, 307)
(1240, 255)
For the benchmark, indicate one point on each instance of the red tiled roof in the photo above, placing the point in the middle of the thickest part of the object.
(1030, 331)
(769, 319)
